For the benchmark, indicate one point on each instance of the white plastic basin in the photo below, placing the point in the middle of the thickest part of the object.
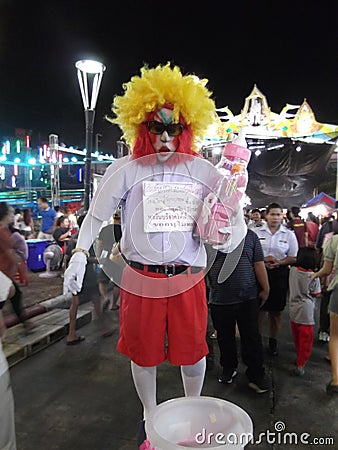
(198, 422)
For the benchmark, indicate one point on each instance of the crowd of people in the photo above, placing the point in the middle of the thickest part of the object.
(271, 225)
(300, 258)
(279, 264)
(58, 228)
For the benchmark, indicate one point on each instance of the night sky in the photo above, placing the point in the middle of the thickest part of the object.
(289, 49)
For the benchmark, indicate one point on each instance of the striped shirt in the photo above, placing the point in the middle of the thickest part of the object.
(240, 285)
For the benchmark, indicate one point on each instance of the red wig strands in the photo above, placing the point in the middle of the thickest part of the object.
(144, 147)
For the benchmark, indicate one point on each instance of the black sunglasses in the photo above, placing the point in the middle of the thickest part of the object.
(173, 129)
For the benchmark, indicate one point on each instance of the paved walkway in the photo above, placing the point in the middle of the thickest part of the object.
(83, 397)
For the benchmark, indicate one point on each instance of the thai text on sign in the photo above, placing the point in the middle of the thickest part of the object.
(170, 206)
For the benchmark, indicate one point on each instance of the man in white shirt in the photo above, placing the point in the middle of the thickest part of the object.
(280, 249)
(256, 219)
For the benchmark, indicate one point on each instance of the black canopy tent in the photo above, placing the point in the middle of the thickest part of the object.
(290, 150)
(286, 171)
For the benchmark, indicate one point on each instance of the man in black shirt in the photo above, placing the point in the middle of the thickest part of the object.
(236, 299)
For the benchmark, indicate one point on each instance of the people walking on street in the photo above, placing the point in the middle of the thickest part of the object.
(302, 292)
(7, 423)
(20, 248)
(58, 211)
(19, 244)
(280, 250)
(110, 274)
(9, 262)
(48, 216)
(18, 218)
(330, 257)
(27, 224)
(88, 293)
(62, 232)
(328, 229)
(237, 301)
(298, 225)
(256, 219)
(312, 226)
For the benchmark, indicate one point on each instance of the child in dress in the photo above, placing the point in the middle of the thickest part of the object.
(302, 291)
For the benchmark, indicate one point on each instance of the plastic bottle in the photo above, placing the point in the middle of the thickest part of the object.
(219, 214)
(233, 166)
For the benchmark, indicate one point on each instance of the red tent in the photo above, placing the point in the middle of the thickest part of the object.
(321, 199)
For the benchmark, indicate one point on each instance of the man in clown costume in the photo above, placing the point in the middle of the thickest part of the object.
(160, 188)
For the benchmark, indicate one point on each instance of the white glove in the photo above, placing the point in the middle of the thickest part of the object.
(236, 233)
(74, 274)
(223, 248)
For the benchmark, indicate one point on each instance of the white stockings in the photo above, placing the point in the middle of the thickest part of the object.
(193, 378)
(145, 382)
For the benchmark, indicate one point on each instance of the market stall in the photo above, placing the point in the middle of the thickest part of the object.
(321, 205)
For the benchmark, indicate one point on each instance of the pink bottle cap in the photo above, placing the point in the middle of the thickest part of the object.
(238, 147)
(237, 151)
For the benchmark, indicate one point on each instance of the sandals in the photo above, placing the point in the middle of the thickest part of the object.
(332, 389)
(107, 333)
(105, 305)
(76, 341)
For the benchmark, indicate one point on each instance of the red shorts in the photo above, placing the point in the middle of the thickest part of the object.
(177, 318)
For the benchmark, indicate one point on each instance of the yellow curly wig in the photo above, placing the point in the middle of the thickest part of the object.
(161, 86)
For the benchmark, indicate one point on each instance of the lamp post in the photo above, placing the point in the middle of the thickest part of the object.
(89, 74)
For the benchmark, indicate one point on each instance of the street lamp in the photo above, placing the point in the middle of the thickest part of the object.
(89, 74)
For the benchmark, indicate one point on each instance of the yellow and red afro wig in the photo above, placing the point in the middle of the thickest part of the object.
(160, 86)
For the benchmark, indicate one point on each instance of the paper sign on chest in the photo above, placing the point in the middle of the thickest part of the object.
(170, 206)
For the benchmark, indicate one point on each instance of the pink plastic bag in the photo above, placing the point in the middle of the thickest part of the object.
(210, 222)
